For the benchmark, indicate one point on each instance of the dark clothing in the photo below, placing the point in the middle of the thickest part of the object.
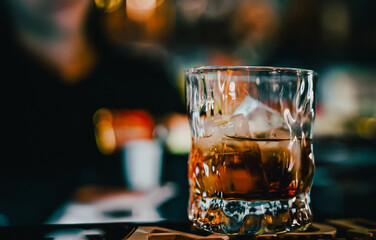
(50, 144)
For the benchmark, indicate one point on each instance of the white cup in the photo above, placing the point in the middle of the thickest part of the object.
(142, 163)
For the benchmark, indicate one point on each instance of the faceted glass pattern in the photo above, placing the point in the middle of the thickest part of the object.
(251, 164)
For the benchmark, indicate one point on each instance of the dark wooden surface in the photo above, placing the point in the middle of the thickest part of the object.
(350, 229)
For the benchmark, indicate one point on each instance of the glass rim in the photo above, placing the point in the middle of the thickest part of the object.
(201, 69)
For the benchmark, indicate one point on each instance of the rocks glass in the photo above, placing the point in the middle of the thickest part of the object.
(251, 164)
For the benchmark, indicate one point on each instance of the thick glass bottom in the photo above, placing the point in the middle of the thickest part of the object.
(232, 217)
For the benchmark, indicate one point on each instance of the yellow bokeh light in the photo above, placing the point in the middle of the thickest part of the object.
(104, 131)
(108, 5)
(105, 137)
(366, 128)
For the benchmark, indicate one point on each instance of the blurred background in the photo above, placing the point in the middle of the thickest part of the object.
(91, 82)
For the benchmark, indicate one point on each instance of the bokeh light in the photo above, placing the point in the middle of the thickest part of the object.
(140, 10)
(108, 5)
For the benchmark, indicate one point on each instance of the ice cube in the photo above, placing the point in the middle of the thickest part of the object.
(227, 126)
(221, 127)
(213, 127)
(205, 144)
(279, 133)
(237, 126)
(261, 118)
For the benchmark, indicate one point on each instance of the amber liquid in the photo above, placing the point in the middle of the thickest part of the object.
(249, 169)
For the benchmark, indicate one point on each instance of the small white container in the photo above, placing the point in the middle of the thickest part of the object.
(142, 163)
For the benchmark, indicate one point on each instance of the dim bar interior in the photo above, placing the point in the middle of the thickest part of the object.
(95, 128)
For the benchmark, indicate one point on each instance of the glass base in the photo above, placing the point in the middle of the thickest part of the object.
(232, 217)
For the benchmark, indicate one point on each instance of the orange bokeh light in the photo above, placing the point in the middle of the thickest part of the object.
(140, 10)
(114, 128)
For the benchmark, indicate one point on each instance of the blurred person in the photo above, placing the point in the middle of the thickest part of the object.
(58, 70)
(53, 32)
